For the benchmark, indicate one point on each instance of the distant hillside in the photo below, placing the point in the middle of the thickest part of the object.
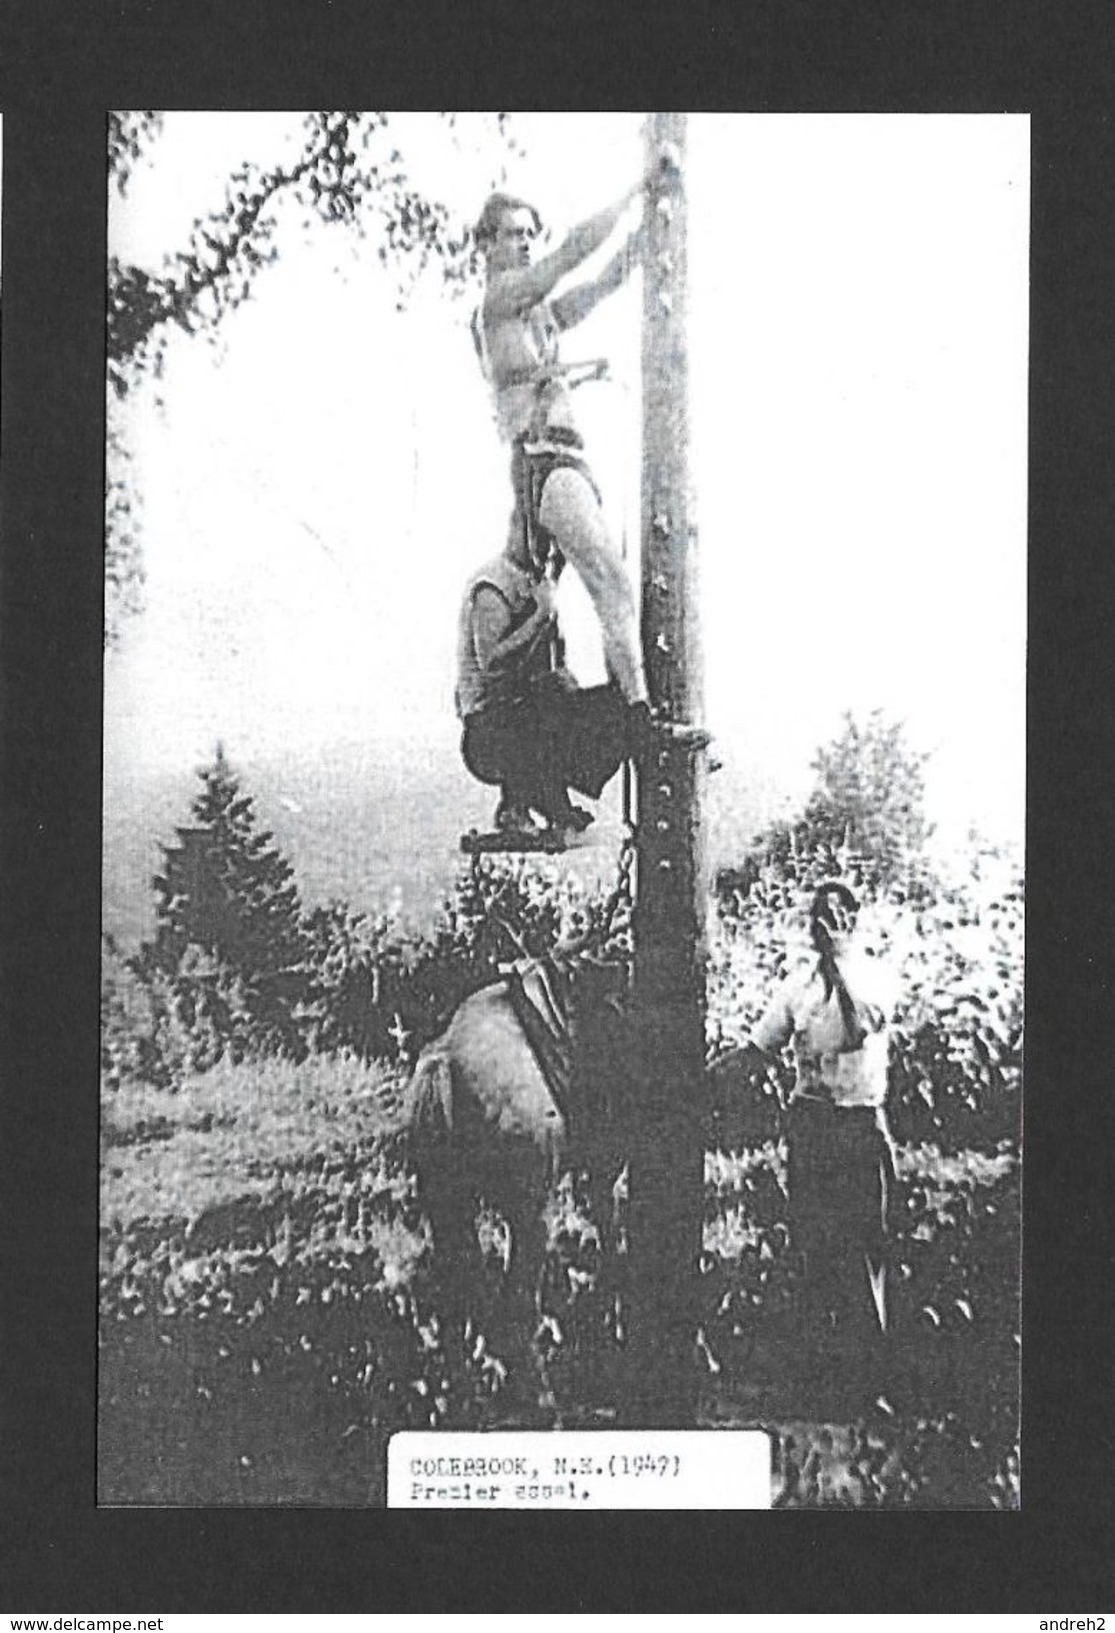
(373, 825)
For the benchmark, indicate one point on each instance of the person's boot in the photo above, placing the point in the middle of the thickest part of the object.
(564, 817)
(638, 730)
(575, 817)
(513, 817)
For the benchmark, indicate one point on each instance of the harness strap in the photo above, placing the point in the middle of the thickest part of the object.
(573, 374)
(542, 1013)
(532, 463)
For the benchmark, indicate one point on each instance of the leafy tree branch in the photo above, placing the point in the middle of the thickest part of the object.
(349, 171)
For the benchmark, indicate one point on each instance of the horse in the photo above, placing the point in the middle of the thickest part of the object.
(526, 1083)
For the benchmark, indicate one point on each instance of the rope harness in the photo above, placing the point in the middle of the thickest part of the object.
(539, 994)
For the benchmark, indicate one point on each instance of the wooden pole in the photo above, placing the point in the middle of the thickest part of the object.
(667, 1179)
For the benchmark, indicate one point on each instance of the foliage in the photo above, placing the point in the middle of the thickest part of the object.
(349, 171)
(955, 946)
(159, 1026)
(871, 790)
(868, 802)
(385, 993)
(253, 1341)
(124, 571)
(294, 1406)
(129, 135)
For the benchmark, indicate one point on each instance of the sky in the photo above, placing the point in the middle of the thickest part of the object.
(318, 486)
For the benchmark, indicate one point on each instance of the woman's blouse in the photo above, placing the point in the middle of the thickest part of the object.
(827, 1067)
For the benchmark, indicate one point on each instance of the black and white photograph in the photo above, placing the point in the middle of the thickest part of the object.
(564, 778)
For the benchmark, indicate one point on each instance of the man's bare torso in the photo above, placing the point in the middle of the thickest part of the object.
(520, 350)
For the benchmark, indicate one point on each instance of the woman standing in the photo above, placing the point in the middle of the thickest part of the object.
(835, 1010)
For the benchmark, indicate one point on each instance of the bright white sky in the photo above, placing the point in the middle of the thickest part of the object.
(317, 490)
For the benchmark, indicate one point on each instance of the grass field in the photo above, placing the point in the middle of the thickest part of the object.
(266, 1316)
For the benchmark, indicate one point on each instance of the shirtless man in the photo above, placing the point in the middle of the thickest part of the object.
(516, 332)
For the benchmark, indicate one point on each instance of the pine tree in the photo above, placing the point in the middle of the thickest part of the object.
(230, 929)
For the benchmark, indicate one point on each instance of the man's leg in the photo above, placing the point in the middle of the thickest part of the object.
(594, 738)
(585, 732)
(500, 747)
(581, 738)
(570, 511)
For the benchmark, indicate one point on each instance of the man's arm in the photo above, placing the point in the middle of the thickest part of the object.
(740, 1064)
(520, 288)
(576, 304)
(495, 641)
(775, 1029)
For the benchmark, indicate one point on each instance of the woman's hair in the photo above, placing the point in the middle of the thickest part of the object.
(832, 911)
(497, 206)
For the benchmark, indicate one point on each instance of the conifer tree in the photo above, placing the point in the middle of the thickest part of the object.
(229, 918)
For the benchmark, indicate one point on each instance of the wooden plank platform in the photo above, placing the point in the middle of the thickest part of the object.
(475, 843)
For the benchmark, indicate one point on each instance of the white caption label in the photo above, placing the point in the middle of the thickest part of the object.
(607, 1468)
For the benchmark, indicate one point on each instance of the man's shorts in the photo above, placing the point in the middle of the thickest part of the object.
(576, 737)
(534, 459)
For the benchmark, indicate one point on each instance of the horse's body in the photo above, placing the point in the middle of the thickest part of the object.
(495, 1116)
(481, 1082)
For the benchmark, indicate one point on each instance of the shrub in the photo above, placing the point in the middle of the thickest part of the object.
(256, 1378)
(956, 1061)
(385, 993)
(159, 1027)
(868, 801)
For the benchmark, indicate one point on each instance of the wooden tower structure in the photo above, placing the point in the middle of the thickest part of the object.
(667, 1190)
